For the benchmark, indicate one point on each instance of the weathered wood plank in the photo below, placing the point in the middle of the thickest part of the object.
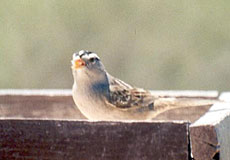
(36, 92)
(59, 139)
(210, 135)
(38, 104)
(191, 113)
(58, 104)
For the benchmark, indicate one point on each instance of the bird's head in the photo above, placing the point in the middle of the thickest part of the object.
(86, 64)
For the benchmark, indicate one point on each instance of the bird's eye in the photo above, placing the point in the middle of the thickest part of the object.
(92, 60)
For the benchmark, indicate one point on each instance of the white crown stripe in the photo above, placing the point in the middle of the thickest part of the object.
(81, 52)
(84, 54)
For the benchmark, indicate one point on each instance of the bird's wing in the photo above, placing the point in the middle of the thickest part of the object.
(124, 96)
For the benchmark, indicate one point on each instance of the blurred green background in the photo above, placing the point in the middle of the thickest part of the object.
(151, 44)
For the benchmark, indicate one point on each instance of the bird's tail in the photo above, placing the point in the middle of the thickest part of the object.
(164, 104)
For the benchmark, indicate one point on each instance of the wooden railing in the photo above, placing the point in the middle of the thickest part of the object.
(43, 124)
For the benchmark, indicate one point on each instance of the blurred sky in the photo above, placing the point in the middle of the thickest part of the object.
(162, 45)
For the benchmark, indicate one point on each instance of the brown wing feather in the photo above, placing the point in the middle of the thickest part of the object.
(124, 96)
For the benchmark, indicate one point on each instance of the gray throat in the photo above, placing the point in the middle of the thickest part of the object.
(96, 85)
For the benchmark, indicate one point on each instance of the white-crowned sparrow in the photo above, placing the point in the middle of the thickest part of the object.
(99, 96)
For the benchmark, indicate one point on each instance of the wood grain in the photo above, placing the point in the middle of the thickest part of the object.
(210, 134)
(59, 139)
(51, 104)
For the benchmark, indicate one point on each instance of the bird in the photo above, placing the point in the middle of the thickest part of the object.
(100, 96)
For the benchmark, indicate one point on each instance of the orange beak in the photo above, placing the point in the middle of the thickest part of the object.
(78, 63)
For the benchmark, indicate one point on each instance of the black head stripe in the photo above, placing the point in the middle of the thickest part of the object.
(85, 52)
